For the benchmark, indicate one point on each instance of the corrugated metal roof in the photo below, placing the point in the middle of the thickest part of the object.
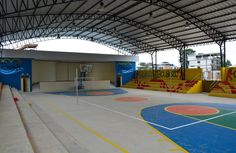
(135, 26)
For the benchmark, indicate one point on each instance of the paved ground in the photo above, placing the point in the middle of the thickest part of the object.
(100, 124)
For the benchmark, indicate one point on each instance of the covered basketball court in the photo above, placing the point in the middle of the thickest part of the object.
(61, 119)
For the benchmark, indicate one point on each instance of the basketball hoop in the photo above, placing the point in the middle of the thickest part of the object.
(86, 68)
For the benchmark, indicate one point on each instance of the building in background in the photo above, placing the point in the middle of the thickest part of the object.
(162, 66)
(165, 65)
(210, 64)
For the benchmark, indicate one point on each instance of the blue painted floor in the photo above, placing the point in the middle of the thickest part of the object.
(199, 138)
(84, 92)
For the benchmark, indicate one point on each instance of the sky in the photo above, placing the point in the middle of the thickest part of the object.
(171, 56)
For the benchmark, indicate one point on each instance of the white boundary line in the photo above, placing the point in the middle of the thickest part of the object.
(123, 114)
(178, 127)
(155, 124)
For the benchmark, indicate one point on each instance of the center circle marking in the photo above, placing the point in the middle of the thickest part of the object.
(193, 110)
(131, 99)
(97, 93)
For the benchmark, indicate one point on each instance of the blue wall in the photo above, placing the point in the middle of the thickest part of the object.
(127, 71)
(11, 70)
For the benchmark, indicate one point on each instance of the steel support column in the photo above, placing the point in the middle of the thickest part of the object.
(155, 60)
(183, 58)
(1, 47)
(152, 54)
(222, 53)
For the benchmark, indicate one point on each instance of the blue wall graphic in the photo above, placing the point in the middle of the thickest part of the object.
(126, 70)
(11, 70)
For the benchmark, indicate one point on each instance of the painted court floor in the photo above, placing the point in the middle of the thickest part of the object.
(138, 121)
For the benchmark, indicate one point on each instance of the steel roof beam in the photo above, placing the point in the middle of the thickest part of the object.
(171, 40)
(198, 17)
(67, 17)
(160, 27)
(117, 13)
(79, 15)
(107, 12)
(215, 35)
(4, 4)
(19, 37)
(138, 44)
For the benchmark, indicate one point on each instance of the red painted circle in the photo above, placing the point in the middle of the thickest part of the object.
(192, 110)
(130, 99)
(99, 93)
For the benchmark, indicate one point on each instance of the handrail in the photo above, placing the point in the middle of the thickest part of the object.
(212, 85)
(193, 79)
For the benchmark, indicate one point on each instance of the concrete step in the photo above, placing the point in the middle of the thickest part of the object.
(13, 137)
(46, 135)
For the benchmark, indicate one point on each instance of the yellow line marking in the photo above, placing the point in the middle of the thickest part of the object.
(56, 108)
(161, 140)
(174, 150)
(152, 132)
(165, 137)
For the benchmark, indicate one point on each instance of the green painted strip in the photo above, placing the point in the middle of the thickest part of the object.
(227, 121)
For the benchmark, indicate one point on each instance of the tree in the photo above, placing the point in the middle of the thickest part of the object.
(228, 63)
(188, 52)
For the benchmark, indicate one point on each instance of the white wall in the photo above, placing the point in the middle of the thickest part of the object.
(103, 71)
(64, 71)
(61, 71)
(69, 85)
(43, 71)
(72, 70)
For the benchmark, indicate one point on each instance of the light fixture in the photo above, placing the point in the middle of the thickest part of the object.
(101, 7)
(147, 35)
(114, 31)
(58, 36)
(150, 16)
(187, 25)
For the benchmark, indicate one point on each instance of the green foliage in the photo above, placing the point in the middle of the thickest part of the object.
(189, 51)
(228, 63)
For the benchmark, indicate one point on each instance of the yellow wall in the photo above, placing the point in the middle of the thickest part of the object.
(193, 74)
(197, 88)
(228, 74)
(162, 74)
